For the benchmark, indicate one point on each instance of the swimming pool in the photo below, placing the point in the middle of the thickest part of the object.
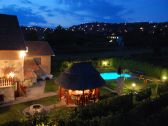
(113, 75)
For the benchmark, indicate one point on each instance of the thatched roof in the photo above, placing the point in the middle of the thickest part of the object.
(81, 76)
(11, 37)
(39, 48)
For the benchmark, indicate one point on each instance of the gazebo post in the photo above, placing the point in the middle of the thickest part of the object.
(67, 98)
(83, 98)
(60, 92)
(98, 93)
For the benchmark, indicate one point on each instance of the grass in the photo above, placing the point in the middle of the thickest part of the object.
(128, 84)
(139, 85)
(51, 86)
(103, 91)
(111, 84)
(61, 113)
(108, 69)
(14, 112)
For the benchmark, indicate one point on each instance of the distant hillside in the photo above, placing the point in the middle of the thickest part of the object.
(101, 36)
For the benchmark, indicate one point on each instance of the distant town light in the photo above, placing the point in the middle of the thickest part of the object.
(141, 28)
(111, 41)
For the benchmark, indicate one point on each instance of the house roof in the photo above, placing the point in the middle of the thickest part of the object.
(38, 48)
(81, 76)
(11, 37)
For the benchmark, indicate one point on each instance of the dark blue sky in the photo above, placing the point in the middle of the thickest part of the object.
(50, 13)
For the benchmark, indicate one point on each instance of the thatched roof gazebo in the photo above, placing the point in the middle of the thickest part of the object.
(81, 80)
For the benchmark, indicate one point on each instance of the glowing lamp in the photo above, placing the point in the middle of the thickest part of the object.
(11, 75)
(22, 54)
(104, 63)
(70, 92)
(164, 78)
(78, 92)
(133, 85)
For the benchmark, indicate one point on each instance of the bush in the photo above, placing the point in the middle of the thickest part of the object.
(143, 95)
(162, 89)
(110, 105)
(148, 69)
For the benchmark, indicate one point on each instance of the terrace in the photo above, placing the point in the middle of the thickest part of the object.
(131, 84)
(7, 82)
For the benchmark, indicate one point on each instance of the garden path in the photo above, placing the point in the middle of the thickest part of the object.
(34, 93)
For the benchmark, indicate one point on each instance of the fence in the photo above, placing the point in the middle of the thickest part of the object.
(5, 82)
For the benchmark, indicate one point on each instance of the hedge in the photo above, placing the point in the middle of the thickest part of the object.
(134, 66)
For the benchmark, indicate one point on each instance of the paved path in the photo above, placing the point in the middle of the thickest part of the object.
(50, 107)
(27, 99)
(33, 93)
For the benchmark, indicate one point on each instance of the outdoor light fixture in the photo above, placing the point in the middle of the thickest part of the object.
(22, 54)
(104, 63)
(11, 75)
(164, 78)
(78, 92)
(133, 85)
(70, 92)
(27, 49)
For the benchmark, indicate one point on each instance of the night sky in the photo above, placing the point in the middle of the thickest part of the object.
(50, 13)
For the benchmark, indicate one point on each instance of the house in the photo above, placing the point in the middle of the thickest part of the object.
(19, 60)
(37, 61)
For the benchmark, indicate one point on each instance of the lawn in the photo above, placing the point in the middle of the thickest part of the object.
(61, 113)
(128, 84)
(103, 91)
(14, 112)
(51, 86)
(140, 85)
(107, 69)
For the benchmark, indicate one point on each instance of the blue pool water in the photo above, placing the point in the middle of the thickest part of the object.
(113, 75)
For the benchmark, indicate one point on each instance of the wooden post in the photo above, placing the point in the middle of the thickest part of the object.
(98, 93)
(83, 98)
(67, 98)
(60, 92)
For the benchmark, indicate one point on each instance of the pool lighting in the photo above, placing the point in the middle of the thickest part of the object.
(114, 75)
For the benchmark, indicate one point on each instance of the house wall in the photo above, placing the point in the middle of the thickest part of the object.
(45, 62)
(11, 61)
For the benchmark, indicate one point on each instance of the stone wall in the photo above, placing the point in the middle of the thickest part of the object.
(9, 93)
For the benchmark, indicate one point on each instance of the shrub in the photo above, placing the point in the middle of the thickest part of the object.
(143, 95)
(162, 89)
(110, 105)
